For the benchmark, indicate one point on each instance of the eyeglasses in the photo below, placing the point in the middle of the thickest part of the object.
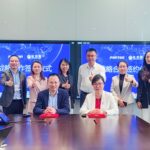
(97, 84)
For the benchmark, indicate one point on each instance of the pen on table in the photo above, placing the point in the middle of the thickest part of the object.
(95, 122)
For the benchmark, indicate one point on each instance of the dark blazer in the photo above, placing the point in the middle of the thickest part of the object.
(71, 90)
(62, 102)
(8, 92)
(143, 91)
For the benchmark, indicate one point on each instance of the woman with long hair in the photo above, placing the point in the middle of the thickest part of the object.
(143, 93)
(36, 83)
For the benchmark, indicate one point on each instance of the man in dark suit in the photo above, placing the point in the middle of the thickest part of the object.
(13, 97)
(53, 100)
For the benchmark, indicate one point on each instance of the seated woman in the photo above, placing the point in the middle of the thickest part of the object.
(99, 101)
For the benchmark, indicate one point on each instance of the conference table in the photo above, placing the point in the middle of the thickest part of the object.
(72, 132)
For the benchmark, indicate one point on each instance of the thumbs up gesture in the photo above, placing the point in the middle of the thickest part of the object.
(9, 82)
(91, 76)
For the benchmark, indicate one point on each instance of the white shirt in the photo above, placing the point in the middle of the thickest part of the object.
(52, 102)
(84, 83)
(17, 88)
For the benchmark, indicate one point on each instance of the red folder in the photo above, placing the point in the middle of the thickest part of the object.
(48, 115)
(97, 115)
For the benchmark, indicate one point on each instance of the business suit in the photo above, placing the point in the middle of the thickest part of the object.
(8, 91)
(108, 103)
(62, 102)
(126, 93)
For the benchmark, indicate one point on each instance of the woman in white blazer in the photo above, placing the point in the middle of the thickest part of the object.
(121, 88)
(99, 101)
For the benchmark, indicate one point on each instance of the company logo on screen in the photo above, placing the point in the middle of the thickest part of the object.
(34, 57)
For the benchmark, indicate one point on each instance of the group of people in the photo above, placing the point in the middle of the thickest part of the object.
(55, 94)
(120, 99)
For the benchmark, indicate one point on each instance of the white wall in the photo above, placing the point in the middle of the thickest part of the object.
(102, 20)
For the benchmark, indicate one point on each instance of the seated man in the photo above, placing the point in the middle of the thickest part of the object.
(53, 100)
(99, 101)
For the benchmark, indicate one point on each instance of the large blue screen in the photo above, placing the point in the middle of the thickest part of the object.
(110, 54)
(49, 54)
